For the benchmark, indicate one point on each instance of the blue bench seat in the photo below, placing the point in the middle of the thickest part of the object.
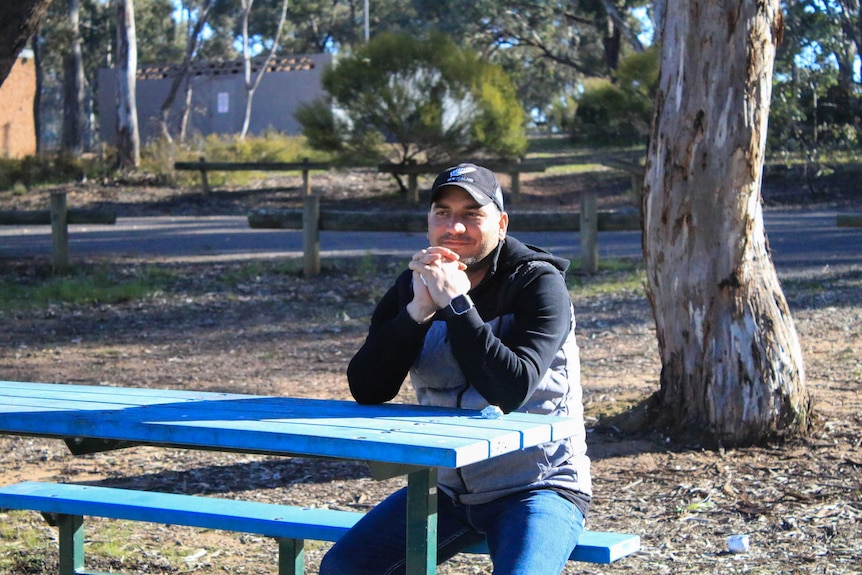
(67, 504)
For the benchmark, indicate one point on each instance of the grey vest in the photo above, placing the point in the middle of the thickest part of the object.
(438, 380)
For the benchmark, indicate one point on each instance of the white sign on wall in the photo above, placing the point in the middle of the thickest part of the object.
(223, 103)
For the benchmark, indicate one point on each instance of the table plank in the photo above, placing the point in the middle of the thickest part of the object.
(533, 427)
(256, 437)
(500, 441)
(108, 394)
(413, 435)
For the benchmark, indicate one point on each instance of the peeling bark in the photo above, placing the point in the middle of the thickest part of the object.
(732, 368)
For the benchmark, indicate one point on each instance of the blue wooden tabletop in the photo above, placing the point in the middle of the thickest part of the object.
(404, 434)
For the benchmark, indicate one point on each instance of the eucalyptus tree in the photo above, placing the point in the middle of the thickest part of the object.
(314, 27)
(848, 13)
(197, 14)
(817, 96)
(128, 136)
(250, 83)
(548, 48)
(72, 139)
(732, 368)
(70, 44)
(77, 38)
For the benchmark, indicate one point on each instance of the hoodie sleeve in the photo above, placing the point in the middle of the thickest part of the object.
(377, 371)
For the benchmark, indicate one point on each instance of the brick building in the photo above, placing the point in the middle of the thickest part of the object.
(17, 94)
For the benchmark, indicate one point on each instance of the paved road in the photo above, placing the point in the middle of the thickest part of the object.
(797, 239)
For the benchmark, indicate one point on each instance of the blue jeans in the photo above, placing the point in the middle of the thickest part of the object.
(528, 533)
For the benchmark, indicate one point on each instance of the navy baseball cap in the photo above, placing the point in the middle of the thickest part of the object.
(479, 182)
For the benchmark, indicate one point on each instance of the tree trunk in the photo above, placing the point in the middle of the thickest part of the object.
(191, 46)
(18, 21)
(37, 99)
(251, 85)
(612, 43)
(72, 139)
(186, 113)
(128, 138)
(732, 369)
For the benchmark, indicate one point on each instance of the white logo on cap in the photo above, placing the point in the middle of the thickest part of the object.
(461, 171)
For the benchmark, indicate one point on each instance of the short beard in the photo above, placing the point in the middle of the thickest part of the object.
(474, 263)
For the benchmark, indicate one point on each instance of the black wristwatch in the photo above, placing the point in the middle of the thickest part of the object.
(459, 305)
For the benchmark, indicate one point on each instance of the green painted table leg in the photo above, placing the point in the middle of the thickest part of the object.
(291, 557)
(422, 522)
(71, 540)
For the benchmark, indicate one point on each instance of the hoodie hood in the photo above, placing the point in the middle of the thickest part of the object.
(511, 253)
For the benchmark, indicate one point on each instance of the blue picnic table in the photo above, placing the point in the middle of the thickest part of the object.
(395, 439)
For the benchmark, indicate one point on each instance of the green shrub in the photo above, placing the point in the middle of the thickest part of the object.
(32, 171)
(158, 157)
(426, 98)
(619, 111)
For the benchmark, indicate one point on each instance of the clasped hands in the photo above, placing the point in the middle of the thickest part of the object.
(438, 276)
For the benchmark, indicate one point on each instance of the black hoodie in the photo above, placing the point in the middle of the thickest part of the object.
(524, 282)
(516, 349)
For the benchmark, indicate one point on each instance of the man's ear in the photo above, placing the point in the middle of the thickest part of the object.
(504, 225)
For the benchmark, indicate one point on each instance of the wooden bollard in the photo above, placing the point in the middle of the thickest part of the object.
(589, 233)
(306, 178)
(311, 234)
(59, 232)
(205, 185)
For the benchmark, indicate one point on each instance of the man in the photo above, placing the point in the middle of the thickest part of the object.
(478, 319)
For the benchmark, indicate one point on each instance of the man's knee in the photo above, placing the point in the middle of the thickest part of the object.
(332, 564)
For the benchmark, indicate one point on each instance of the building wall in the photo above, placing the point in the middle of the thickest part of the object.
(17, 124)
(218, 101)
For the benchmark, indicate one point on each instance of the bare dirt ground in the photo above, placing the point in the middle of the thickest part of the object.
(262, 328)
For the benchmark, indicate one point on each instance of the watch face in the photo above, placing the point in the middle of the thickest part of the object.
(461, 304)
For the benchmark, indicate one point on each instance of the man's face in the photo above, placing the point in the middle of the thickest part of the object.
(456, 221)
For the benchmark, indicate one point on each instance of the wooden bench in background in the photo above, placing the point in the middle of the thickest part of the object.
(65, 505)
(512, 167)
(58, 217)
(636, 170)
(204, 167)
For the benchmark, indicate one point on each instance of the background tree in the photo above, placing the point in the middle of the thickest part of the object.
(427, 98)
(18, 21)
(193, 38)
(157, 40)
(546, 48)
(732, 369)
(128, 137)
(550, 48)
(816, 100)
(848, 13)
(74, 121)
(251, 84)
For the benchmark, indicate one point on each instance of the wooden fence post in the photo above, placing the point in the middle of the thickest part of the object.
(311, 234)
(515, 191)
(589, 233)
(205, 185)
(413, 187)
(59, 232)
(306, 179)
